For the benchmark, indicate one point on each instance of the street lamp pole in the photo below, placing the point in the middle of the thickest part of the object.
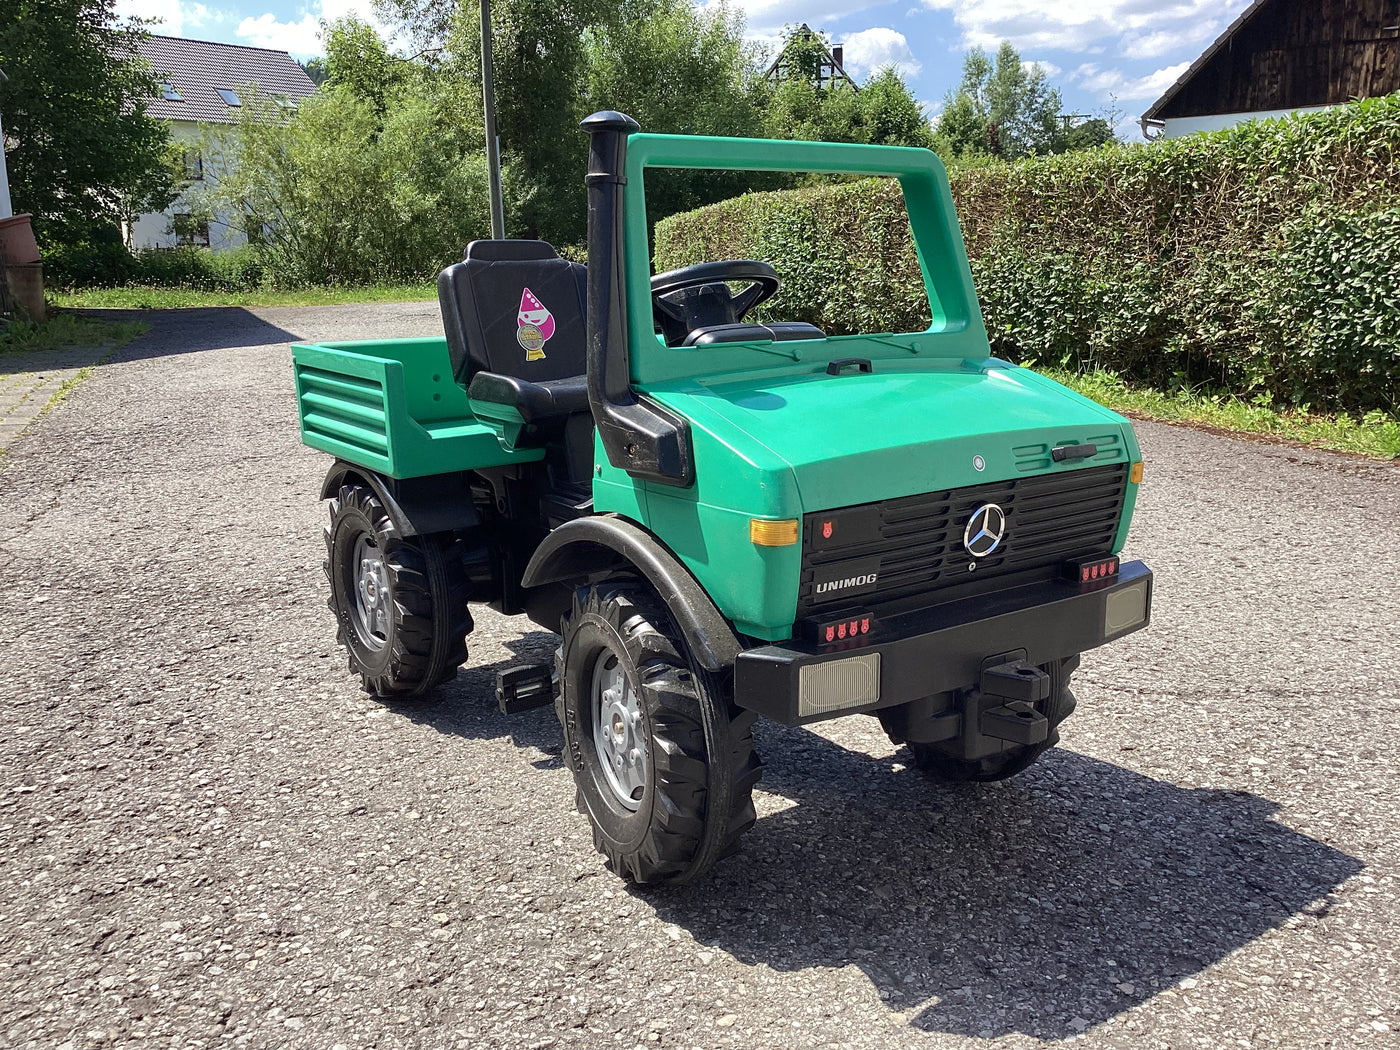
(493, 147)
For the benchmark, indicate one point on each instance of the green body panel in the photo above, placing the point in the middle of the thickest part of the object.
(505, 421)
(393, 406)
(788, 443)
(773, 435)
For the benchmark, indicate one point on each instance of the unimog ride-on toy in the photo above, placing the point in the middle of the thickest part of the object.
(724, 518)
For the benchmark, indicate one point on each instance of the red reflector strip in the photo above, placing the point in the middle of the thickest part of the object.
(1091, 570)
(834, 632)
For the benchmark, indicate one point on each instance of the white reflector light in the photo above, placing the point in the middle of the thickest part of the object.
(1124, 609)
(838, 684)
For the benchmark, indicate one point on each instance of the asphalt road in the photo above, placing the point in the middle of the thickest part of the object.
(209, 836)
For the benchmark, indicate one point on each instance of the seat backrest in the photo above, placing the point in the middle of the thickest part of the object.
(514, 308)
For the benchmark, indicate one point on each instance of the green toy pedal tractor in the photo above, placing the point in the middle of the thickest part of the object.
(723, 518)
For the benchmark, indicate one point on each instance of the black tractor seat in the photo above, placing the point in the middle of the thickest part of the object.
(513, 313)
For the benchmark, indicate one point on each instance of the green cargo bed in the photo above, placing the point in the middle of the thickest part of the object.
(392, 405)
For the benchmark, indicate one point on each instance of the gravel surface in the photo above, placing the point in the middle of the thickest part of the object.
(209, 836)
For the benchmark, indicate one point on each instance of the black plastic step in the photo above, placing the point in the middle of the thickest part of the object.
(524, 687)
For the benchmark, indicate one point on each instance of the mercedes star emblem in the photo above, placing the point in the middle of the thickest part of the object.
(985, 530)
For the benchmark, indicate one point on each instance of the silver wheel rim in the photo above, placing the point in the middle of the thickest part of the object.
(617, 731)
(371, 594)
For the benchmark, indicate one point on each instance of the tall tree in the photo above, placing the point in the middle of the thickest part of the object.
(358, 59)
(682, 70)
(347, 192)
(84, 153)
(541, 67)
(881, 111)
(1002, 108)
(316, 70)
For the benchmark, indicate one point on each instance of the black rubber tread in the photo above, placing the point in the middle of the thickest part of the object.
(704, 767)
(428, 588)
(938, 764)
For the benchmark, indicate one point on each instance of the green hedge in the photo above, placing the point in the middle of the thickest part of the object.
(1263, 260)
(107, 264)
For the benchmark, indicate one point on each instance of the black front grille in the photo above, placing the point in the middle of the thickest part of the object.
(914, 545)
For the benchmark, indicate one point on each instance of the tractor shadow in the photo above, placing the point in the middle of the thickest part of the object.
(191, 330)
(466, 706)
(1043, 905)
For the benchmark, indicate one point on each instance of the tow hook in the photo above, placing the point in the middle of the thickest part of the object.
(1020, 686)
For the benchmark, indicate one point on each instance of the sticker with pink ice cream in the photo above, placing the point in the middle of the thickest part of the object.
(534, 324)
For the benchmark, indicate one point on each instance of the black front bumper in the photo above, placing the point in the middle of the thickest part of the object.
(945, 648)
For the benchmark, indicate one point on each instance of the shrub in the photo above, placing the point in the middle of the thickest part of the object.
(344, 194)
(104, 265)
(1262, 260)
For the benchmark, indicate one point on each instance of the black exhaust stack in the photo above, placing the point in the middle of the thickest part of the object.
(639, 436)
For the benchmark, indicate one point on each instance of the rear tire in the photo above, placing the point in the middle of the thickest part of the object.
(940, 765)
(400, 603)
(663, 761)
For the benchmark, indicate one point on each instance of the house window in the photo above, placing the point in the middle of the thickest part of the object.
(168, 92)
(284, 103)
(194, 165)
(189, 230)
(229, 95)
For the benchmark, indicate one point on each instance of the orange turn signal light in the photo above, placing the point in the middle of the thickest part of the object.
(765, 533)
(1135, 474)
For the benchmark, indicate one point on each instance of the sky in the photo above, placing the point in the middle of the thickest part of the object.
(1101, 54)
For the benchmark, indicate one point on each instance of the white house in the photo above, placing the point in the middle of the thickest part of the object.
(204, 83)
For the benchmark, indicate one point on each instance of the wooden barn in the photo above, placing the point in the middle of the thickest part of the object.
(1281, 56)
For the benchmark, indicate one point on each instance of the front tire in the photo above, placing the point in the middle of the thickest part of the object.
(400, 603)
(663, 760)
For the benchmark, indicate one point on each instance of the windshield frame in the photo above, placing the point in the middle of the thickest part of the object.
(956, 329)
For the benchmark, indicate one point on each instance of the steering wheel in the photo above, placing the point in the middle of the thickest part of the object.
(696, 296)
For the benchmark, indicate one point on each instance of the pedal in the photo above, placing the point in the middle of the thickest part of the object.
(523, 687)
(1016, 680)
(1017, 723)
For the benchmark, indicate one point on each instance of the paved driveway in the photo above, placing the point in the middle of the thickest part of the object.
(209, 837)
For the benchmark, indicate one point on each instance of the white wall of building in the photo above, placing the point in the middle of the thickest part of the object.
(157, 229)
(1176, 127)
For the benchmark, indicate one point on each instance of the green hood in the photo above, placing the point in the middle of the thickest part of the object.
(902, 430)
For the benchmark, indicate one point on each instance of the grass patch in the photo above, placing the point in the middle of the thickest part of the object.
(1374, 434)
(68, 386)
(152, 297)
(66, 331)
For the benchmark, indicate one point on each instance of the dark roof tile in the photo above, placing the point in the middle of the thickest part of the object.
(196, 68)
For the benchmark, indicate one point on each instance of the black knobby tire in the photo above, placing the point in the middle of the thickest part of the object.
(418, 638)
(940, 765)
(696, 799)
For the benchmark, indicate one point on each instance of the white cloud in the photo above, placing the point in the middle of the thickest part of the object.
(1115, 82)
(173, 17)
(1129, 129)
(873, 49)
(1156, 44)
(1048, 68)
(767, 17)
(1132, 28)
(303, 37)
